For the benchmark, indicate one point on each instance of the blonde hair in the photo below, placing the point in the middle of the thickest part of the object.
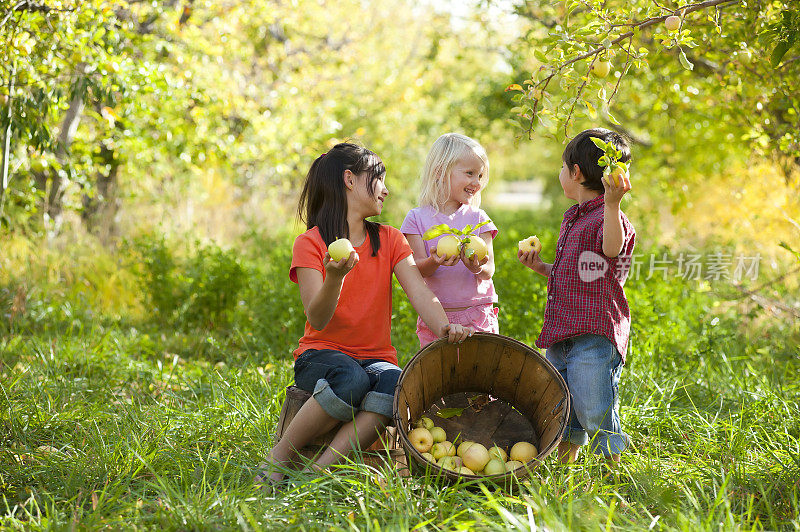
(444, 154)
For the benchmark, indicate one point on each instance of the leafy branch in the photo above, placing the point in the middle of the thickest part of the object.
(536, 91)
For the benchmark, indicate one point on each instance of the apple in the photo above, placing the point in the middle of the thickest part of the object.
(424, 422)
(523, 452)
(530, 244)
(601, 68)
(447, 462)
(672, 22)
(448, 246)
(463, 447)
(475, 457)
(443, 448)
(476, 246)
(421, 439)
(498, 452)
(429, 457)
(745, 55)
(511, 465)
(616, 175)
(340, 249)
(438, 433)
(465, 471)
(494, 467)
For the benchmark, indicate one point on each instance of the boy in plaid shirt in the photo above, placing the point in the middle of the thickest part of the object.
(586, 319)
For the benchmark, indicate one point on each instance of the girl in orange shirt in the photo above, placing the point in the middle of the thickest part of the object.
(345, 358)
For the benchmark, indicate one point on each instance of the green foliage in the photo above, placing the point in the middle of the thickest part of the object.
(141, 423)
(200, 289)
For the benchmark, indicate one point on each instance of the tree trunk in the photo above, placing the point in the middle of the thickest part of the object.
(100, 208)
(53, 207)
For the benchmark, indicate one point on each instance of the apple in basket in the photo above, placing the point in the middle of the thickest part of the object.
(523, 452)
(424, 422)
(462, 447)
(494, 467)
(511, 465)
(443, 448)
(499, 453)
(421, 439)
(439, 435)
(476, 457)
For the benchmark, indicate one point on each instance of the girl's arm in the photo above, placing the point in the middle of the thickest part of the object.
(319, 297)
(426, 303)
(428, 265)
(484, 269)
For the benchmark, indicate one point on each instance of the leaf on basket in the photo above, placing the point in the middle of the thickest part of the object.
(449, 412)
(477, 402)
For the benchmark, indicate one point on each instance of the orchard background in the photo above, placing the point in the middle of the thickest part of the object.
(151, 158)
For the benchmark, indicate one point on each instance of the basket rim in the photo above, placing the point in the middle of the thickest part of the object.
(413, 453)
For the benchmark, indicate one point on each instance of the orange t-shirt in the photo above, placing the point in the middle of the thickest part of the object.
(361, 323)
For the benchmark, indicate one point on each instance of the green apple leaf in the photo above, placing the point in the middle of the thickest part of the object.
(449, 412)
(436, 230)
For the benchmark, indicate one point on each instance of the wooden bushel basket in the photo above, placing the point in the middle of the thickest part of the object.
(507, 390)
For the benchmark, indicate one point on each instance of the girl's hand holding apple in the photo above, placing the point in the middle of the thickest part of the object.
(444, 260)
(341, 267)
(472, 263)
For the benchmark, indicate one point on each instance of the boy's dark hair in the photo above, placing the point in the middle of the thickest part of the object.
(323, 202)
(582, 151)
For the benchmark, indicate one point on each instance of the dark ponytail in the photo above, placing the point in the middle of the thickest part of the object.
(323, 201)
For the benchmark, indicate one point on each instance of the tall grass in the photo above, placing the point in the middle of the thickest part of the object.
(128, 420)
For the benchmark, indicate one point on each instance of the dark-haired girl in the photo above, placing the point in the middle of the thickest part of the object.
(345, 358)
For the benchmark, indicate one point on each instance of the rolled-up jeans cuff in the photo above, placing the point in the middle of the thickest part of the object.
(380, 403)
(576, 437)
(611, 444)
(331, 404)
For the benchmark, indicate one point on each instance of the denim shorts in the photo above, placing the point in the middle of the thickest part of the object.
(482, 318)
(344, 385)
(591, 366)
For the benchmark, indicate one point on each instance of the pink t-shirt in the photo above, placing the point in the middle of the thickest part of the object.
(455, 286)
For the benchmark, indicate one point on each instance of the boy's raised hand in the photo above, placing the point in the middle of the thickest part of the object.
(614, 190)
(443, 260)
(342, 267)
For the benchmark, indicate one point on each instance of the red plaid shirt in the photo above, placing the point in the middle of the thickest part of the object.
(584, 290)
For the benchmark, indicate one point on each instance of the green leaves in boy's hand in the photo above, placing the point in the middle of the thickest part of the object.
(610, 161)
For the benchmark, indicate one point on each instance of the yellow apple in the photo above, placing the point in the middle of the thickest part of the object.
(475, 457)
(523, 452)
(616, 175)
(463, 447)
(448, 462)
(465, 471)
(511, 465)
(421, 439)
(673, 23)
(476, 247)
(429, 457)
(530, 244)
(448, 246)
(424, 422)
(438, 433)
(494, 467)
(443, 448)
(340, 249)
(498, 452)
(601, 68)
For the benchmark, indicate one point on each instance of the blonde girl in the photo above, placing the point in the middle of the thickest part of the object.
(456, 170)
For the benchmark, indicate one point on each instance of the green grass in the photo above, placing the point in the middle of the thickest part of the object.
(122, 422)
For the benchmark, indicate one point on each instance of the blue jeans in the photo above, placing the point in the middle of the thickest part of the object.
(591, 366)
(344, 385)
